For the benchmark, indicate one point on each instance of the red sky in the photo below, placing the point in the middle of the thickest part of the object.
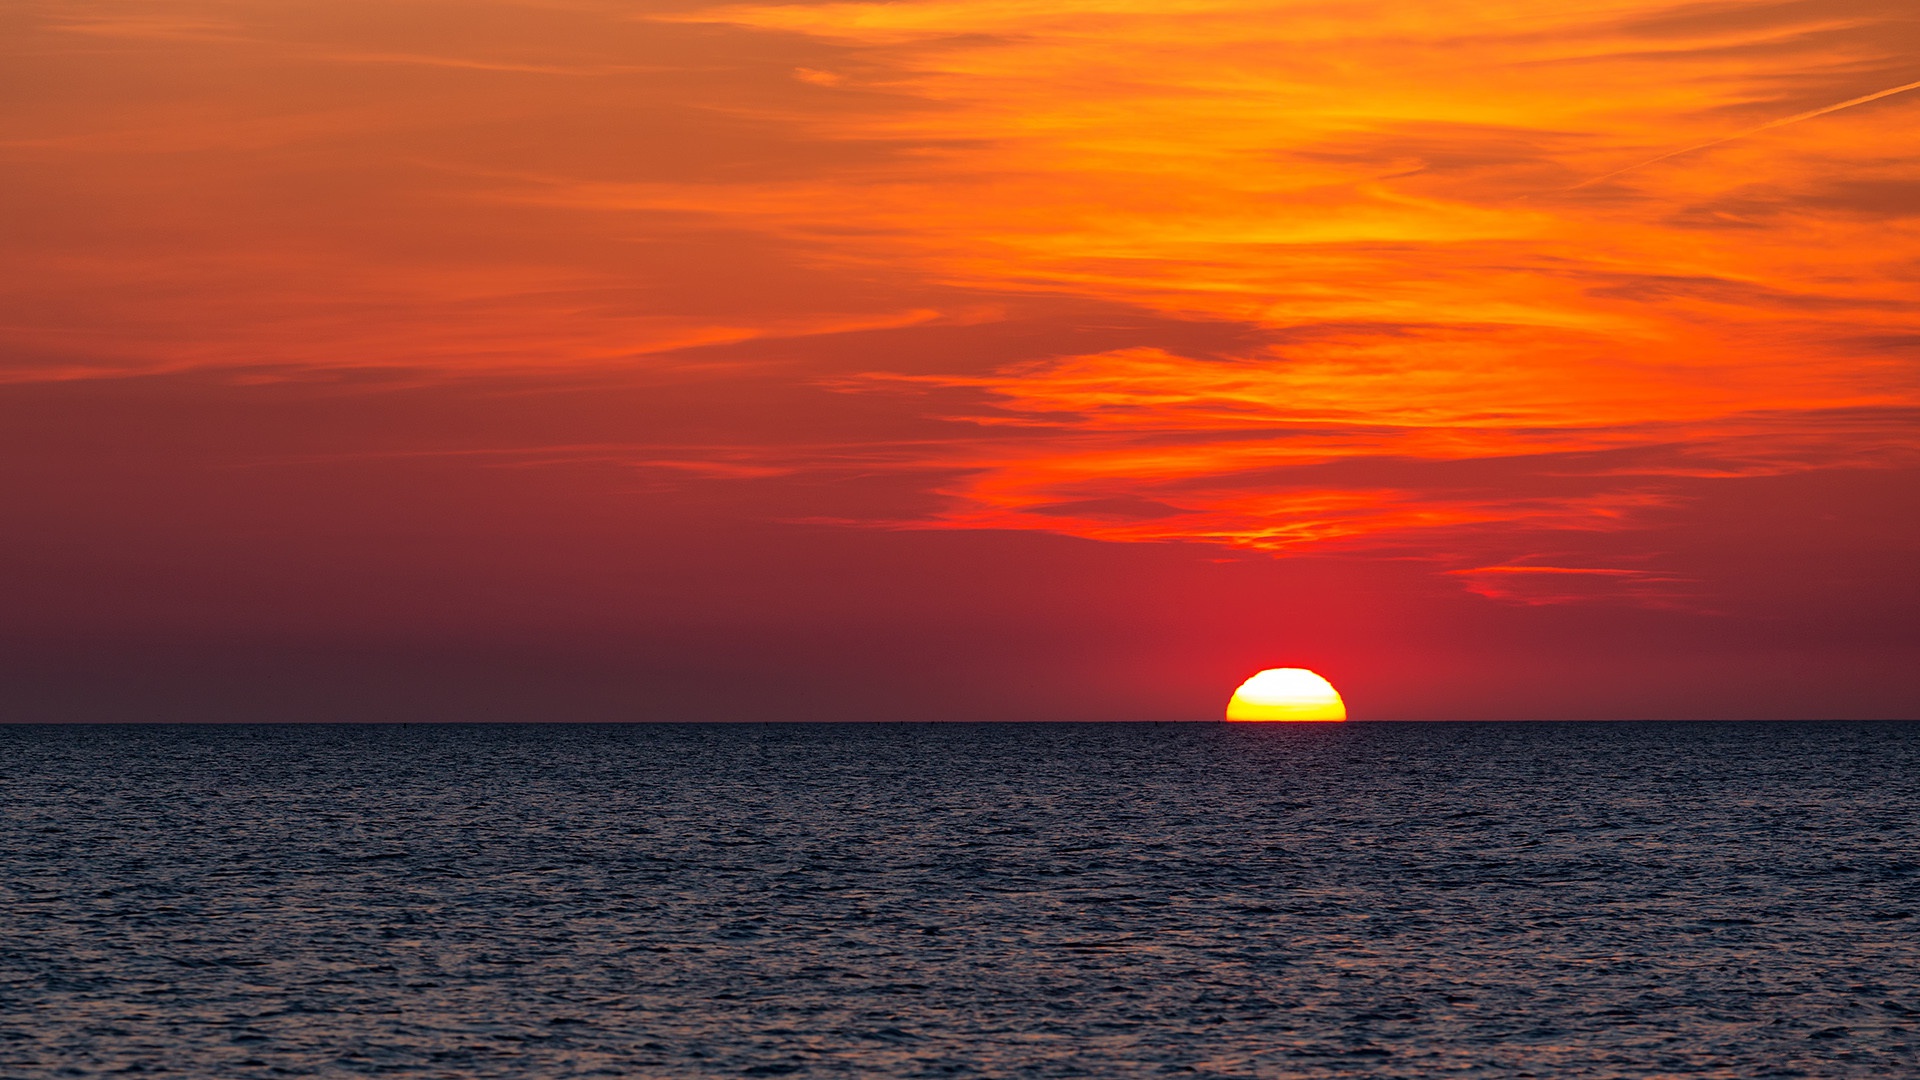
(958, 359)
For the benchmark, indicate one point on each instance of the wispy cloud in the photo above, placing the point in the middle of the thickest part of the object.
(1427, 319)
(1757, 129)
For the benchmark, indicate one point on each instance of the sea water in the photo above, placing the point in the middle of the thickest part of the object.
(1097, 900)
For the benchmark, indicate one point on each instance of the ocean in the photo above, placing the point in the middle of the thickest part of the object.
(1558, 900)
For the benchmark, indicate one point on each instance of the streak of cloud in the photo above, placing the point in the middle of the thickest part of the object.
(1256, 275)
(1768, 126)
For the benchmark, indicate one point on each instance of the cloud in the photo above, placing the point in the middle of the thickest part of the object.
(1770, 125)
(1276, 276)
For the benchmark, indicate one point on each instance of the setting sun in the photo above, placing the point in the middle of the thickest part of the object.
(1286, 694)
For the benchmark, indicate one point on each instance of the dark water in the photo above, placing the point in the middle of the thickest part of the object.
(1393, 900)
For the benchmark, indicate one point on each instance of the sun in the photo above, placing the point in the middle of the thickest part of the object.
(1286, 693)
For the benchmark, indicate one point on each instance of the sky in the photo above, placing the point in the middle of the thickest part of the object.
(958, 359)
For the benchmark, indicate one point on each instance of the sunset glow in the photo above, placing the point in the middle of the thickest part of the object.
(1440, 234)
(1511, 306)
(709, 537)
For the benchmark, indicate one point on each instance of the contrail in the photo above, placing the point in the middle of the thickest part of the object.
(1768, 126)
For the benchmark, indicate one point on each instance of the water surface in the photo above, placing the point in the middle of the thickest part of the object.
(1380, 900)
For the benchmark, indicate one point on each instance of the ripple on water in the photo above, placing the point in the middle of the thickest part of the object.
(1380, 900)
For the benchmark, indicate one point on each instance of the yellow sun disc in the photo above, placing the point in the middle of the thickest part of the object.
(1287, 693)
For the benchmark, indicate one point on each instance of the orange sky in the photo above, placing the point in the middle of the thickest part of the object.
(1413, 285)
